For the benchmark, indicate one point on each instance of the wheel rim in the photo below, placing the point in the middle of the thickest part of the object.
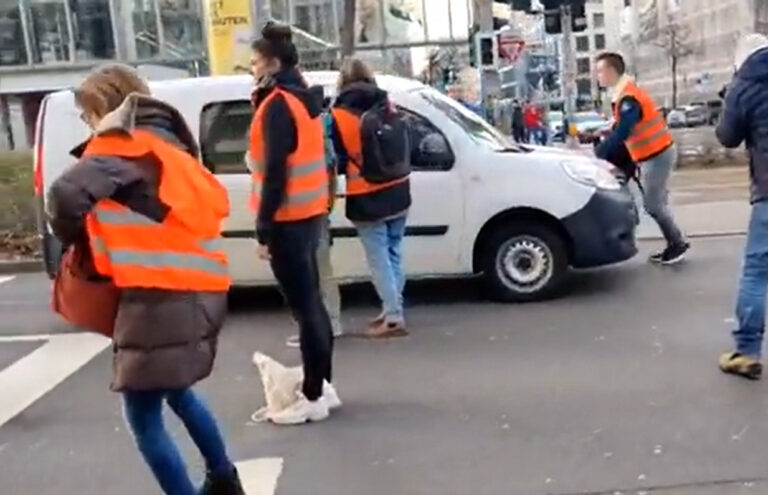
(525, 264)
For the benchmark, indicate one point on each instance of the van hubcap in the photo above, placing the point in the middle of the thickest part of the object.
(524, 264)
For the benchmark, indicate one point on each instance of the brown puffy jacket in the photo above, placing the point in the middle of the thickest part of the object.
(163, 339)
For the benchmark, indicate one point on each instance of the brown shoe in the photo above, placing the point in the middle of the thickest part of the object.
(376, 322)
(387, 331)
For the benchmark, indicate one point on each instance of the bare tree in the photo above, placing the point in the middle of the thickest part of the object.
(348, 31)
(675, 40)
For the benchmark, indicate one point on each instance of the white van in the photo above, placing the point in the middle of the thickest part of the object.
(520, 215)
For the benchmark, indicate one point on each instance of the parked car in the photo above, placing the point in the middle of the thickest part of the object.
(714, 109)
(588, 125)
(555, 123)
(696, 116)
(676, 118)
(519, 215)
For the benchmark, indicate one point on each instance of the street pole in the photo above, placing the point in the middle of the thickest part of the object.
(569, 73)
(483, 10)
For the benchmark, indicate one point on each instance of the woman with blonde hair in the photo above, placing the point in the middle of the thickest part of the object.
(147, 216)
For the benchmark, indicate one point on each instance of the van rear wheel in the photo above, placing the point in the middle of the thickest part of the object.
(524, 262)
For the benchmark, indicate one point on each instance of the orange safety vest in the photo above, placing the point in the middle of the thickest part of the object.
(306, 192)
(650, 136)
(349, 125)
(184, 251)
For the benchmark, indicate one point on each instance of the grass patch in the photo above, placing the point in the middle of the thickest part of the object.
(18, 225)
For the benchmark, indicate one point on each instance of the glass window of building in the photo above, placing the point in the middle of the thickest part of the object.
(582, 44)
(598, 20)
(182, 28)
(599, 42)
(50, 30)
(583, 65)
(92, 29)
(145, 29)
(584, 87)
(12, 47)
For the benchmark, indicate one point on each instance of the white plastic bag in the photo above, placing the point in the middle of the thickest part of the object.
(281, 386)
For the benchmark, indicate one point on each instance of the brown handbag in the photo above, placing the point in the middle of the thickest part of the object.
(81, 296)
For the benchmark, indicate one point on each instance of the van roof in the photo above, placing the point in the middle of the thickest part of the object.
(320, 78)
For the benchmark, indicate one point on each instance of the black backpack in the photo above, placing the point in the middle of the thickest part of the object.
(385, 145)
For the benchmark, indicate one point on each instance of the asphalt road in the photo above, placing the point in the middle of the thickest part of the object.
(611, 389)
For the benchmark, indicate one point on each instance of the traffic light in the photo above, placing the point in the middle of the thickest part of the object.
(523, 5)
(578, 15)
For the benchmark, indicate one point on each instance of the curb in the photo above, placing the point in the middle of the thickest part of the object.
(21, 266)
(699, 235)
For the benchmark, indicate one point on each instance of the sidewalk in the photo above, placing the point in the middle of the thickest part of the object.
(705, 203)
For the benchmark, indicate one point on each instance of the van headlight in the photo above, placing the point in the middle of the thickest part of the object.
(591, 174)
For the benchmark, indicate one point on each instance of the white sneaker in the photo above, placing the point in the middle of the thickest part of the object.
(330, 396)
(302, 411)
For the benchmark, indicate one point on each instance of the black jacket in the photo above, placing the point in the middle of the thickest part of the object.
(745, 119)
(280, 140)
(385, 203)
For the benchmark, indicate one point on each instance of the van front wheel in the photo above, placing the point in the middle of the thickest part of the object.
(524, 262)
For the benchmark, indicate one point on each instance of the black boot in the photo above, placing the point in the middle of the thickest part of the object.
(217, 484)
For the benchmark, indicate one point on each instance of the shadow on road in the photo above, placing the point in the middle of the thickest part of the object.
(578, 285)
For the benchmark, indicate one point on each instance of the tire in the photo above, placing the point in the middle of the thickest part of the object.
(536, 262)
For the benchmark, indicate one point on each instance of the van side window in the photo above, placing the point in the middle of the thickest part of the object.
(430, 150)
(224, 136)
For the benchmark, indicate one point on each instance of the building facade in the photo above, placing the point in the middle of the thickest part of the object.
(587, 45)
(705, 34)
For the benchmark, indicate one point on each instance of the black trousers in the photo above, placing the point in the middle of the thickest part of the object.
(293, 247)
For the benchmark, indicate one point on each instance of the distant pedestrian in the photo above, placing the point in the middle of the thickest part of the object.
(531, 121)
(640, 126)
(148, 215)
(745, 120)
(518, 124)
(291, 198)
(378, 187)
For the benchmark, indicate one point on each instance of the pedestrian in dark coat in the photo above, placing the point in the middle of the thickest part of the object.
(745, 120)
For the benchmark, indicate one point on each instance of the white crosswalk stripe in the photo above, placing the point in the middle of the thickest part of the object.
(6, 278)
(259, 476)
(37, 373)
(34, 375)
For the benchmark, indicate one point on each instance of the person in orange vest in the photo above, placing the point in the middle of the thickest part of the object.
(641, 127)
(149, 215)
(378, 210)
(291, 199)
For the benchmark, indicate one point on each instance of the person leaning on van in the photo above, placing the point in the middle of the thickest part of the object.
(291, 197)
(378, 210)
(148, 214)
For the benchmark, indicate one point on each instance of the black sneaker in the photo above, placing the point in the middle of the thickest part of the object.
(657, 258)
(222, 484)
(675, 254)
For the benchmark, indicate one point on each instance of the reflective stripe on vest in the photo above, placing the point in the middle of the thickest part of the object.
(348, 124)
(650, 136)
(184, 251)
(307, 180)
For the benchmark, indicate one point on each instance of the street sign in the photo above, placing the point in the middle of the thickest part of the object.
(511, 46)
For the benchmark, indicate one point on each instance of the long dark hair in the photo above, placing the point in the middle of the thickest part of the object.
(277, 42)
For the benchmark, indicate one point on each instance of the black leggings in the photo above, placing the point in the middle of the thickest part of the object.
(293, 247)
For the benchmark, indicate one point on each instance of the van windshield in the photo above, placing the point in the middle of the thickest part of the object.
(476, 128)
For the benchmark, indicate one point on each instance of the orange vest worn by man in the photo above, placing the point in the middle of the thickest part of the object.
(650, 136)
(183, 252)
(306, 190)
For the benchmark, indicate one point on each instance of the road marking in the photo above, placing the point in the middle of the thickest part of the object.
(37, 373)
(259, 476)
(23, 338)
(7, 278)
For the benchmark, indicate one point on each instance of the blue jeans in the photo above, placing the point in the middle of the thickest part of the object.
(383, 245)
(144, 414)
(750, 306)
